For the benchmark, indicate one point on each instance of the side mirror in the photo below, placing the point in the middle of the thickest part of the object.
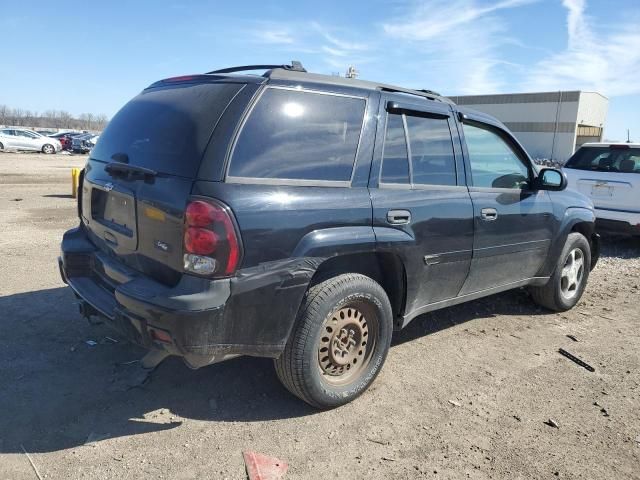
(551, 179)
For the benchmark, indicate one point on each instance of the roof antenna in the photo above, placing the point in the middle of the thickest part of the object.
(628, 136)
(351, 72)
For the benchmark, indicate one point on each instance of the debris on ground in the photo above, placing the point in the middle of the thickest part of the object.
(552, 423)
(379, 442)
(575, 359)
(517, 418)
(262, 467)
(454, 403)
(110, 340)
(91, 343)
(33, 465)
(573, 337)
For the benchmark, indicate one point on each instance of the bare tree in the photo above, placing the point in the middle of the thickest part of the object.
(51, 119)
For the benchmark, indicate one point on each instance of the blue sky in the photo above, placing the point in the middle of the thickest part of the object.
(94, 56)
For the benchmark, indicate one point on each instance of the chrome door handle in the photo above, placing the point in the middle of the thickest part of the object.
(489, 214)
(398, 217)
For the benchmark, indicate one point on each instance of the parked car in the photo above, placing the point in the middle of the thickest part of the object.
(65, 138)
(306, 217)
(609, 173)
(83, 143)
(21, 139)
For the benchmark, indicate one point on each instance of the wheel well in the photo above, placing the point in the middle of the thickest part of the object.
(385, 268)
(588, 231)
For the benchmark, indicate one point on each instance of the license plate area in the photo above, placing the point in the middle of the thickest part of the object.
(602, 190)
(114, 210)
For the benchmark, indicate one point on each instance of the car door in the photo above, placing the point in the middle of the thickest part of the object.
(34, 141)
(23, 140)
(422, 211)
(9, 139)
(513, 223)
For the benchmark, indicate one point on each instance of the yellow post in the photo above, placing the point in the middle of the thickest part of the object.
(75, 177)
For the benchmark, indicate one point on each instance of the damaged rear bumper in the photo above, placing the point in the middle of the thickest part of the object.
(202, 320)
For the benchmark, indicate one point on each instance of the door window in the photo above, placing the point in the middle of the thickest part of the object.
(430, 147)
(432, 158)
(395, 161)
(494, 164)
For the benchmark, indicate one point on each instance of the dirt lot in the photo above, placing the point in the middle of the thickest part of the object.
(465, 392)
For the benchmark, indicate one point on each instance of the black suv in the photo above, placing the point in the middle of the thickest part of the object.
(306, 217)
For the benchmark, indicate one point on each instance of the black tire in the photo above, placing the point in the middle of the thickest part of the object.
(552, 295)
(306, 372)
(48, 149)
(1, 146)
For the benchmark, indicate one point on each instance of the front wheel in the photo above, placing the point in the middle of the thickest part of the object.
(339, 342)
(48, 149)
(567, 284)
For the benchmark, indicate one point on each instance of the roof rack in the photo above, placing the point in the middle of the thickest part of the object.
(295, 66)
(430, 94)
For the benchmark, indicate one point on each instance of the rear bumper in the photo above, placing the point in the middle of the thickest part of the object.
(206, 320)
(618, 221)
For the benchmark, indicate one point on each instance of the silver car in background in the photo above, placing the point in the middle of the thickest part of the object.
(21, 139)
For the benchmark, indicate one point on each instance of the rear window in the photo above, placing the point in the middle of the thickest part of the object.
(299, 135)
(166, 129)
(621, 159)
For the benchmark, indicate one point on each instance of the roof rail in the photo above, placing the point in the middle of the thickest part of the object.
(431, 95)
(295, 66)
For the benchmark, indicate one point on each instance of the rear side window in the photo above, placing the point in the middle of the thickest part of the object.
(299, 135)
(612, 159)
(432, 157)
(395, 163)
(430, 147)
(166, 129)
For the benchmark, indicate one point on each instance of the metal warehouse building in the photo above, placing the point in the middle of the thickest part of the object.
(550, 125)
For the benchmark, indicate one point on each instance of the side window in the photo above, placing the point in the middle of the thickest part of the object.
(299, 135)
(432, 158)
(494, 164)
(395, 160)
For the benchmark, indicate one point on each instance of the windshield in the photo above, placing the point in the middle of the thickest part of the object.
(166, 129)
(621, 158)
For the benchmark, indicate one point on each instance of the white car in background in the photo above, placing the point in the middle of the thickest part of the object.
(609, 174)
(22, 139)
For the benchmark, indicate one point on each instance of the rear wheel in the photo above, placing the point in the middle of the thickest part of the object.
(48, 149)
(1, 146)
(339, 342)
(569, 279)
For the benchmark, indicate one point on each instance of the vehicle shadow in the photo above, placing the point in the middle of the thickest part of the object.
(57, 391)
(58, 195)
(514, 302)
(620, 247)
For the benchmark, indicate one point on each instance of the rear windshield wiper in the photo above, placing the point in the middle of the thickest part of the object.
(132, 172)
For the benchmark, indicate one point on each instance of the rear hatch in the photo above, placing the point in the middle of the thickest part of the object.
(141, 171)
(609, 175)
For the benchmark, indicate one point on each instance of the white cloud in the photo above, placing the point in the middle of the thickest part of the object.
(276, 37)
(606, 59)
(456, 40)
(335, 48)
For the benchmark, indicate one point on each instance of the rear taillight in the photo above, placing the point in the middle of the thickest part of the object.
(211, 242)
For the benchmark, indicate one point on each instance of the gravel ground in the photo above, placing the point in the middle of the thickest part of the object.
(465, 392)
